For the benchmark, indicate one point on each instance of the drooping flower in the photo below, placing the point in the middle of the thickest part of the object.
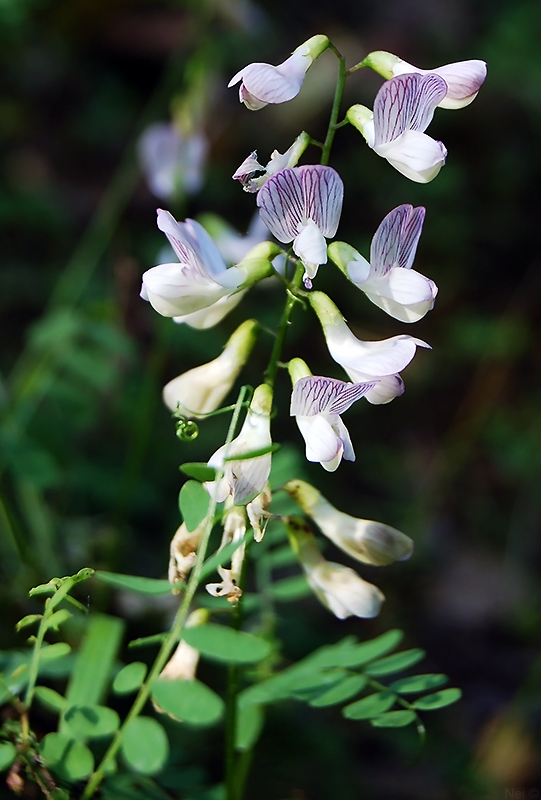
(183, 553)
(403, 108)
(316, 403)
(200, 282)
(365, 361)
(182, 665)
(246, 477)
(258, 515)
(388, 280)
(303, 205)
(253, 175)
(337, 587)
(463, 78)
(363, 539)
(262, 83)
(233, 533)
(202, 389)
(172, 163)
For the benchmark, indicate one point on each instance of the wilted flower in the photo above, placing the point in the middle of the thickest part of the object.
(339, 588)
(363, 539)
(172, 163)
(245, 478)
(262, 83)
(365, 361)
(233, 532)
(463, 78)
(303, 206)
(403, 108)
(258, 516)
(183, 553)
(226, 588)
(253, 175)
(388, 280)
(202, 389)
(200, 281)
(316, 403)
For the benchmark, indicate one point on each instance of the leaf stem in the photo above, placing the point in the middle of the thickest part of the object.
(339, 91)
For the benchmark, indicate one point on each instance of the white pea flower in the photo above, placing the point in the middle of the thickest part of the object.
(316, 404)
(245, 478)
(336, 586)
(403, 108)
(182, 665)
(365, 361)
(200, 284)
(363, 539)
(202, 389)
(262, 83)
(303, 205)
(172, 162)
(463, 78)
(388, 280)
(252, 175)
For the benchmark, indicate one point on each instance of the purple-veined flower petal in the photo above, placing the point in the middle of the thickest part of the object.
(463, 79)
(315, 395)
(395, 241)
(323, 193)
(268, 84)
(406, 102)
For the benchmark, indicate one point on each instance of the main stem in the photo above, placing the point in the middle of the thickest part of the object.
(339, 91)
(175, 632)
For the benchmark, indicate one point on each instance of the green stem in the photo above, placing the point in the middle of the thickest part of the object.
(175, 632)
(276, 355)
(339, 91)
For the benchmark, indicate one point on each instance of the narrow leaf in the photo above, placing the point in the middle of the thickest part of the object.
(344, 690)
(418, 683)
(394, 719)
(396, 663)
(51, 700)
(225, 644)
(199, 471)
(28, 620)
(369, 707)
(221, 556)
(135, 583)
(193, 501)
(368, 651)
(52, 651)
(250, 721)
(56, 619)
(438, 700)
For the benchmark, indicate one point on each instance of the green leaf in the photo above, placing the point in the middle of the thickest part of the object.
(56, 619)
(438, 700)
(188, 701)
(91, 722)
(130, 678)
(290, 589)
(56, 650)
(368, 651)
(225, 644)
(394, 719)
(8, 754)
(70, 759)
(250, 721)
(224, 554)
(369, 707)
(135, 583)
(261, 451)
(51, 700)
(193, 501)
(28, 620)
(418, 683)
(145, 747)
(198, 470)
(396, 663)
(348, 687)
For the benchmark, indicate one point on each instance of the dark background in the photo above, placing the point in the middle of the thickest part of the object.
(89, 458)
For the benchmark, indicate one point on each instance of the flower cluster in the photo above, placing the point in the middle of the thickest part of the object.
(300, 206)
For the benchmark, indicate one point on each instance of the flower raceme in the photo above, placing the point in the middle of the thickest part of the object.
(403, 109)
(363, 539)
(245, 477)
(303, 205)
(463, 78)
(316, 403)
(336, 586)
(261, 84)
(202, 389)
(199, 289)
(365, 361)
(388, 280)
